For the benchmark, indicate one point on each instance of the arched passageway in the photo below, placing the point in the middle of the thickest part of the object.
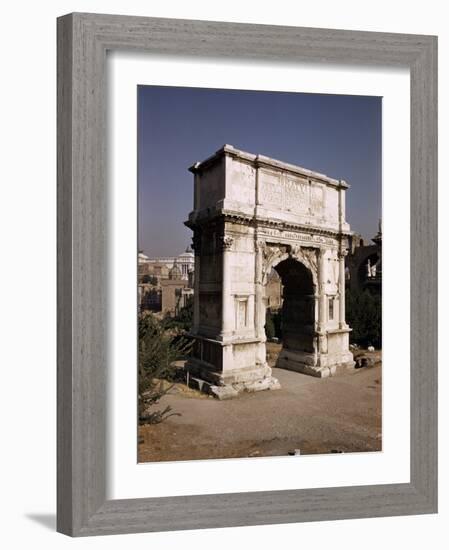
(298, 306)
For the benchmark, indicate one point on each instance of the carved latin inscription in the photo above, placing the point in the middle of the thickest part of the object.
(292, 194)
(295, 195)
(271, 192)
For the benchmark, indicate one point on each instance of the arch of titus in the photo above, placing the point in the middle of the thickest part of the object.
(252, 214)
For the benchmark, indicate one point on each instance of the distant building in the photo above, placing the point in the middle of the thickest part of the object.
(165, 283)
(364, 263)
(273, 291)
(174, 291)
(186, 262)
(142, 265)
(160, 266)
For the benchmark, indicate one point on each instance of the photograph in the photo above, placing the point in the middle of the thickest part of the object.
(259, 273)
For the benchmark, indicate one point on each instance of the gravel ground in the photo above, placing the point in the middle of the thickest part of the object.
(338, 414)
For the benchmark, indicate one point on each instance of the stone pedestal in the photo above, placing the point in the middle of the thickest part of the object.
(226, 369)
(335, 360)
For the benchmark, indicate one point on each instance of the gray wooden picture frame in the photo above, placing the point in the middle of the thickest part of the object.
(83, 40)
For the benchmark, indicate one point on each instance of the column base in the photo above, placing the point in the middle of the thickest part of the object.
(310, 364)
(229, 384)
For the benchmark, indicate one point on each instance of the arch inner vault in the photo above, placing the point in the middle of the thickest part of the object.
(252, 214)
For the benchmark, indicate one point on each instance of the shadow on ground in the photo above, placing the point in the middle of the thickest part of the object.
(46, 520)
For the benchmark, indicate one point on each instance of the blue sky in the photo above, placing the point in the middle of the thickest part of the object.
(338, 135)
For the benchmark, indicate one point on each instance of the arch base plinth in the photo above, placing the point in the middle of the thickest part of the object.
(306, 363)
(226, 385)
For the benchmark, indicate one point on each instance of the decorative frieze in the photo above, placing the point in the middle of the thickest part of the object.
(287, 235)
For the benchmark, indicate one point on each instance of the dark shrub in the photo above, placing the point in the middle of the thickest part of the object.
(273, 324)
(364, 316)
(158, 350)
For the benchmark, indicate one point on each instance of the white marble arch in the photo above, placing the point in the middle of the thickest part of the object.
(251, 214)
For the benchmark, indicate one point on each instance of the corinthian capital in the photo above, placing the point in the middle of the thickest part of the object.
(226, 242)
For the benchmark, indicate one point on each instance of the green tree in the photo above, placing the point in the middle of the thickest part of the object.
(364, 316)
(277, 321)
(149, 279)
(273, 324)
(183, 320)
(158, 350)
(270, 330)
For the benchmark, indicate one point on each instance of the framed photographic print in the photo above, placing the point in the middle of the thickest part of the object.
(246, 274)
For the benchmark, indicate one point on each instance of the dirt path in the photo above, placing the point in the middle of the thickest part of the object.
(340, 414)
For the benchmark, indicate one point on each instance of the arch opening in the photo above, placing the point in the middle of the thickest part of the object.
(297, 308)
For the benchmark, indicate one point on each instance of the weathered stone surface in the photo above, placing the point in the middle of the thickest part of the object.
(253, 214)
